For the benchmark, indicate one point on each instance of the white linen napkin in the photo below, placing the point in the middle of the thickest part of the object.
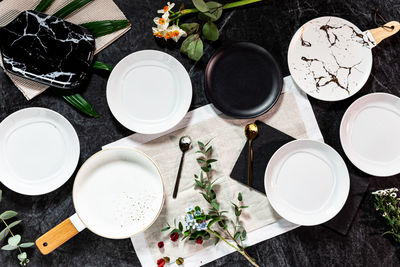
(292, 114)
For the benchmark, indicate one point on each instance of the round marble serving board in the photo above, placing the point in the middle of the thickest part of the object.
(330, 58)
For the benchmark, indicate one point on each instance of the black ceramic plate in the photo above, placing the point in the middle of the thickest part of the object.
(47, 49)
(243, 80)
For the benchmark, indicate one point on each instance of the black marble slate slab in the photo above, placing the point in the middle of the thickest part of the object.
(270, 140)
(47, 49)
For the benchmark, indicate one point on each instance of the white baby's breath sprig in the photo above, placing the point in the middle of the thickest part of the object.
(388, 205)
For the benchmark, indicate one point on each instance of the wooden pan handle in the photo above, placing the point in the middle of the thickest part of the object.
(56, 237)
(382, 32)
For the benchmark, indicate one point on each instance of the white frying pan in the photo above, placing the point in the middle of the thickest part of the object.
(330, 58)
(117, 193)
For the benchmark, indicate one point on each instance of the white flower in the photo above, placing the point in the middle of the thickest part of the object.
(176, 33)
(166, 8)
(162, 23)
(157, 32)
(394, 195)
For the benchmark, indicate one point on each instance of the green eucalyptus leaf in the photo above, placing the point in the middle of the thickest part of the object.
(4, 233)
(211, 161)
(195, 49)
(180, 227)
(166, 228)
(210, 31)
(9, 247)
(200, 5)
(22, 256)
(238, 212)
(26, 245)
(8, 214)
(236, 236)
(43, 5)
(217, 219)
(185, 45)
(6, 230)
(214, 204)
(190, 28)
(104, 27)
(14, 240)
(201, 145)
(244, 234)
(205, 169)
(214, 14)
(240, 197)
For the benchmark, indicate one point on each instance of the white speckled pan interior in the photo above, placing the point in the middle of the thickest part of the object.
(118, 193)
(330, 58)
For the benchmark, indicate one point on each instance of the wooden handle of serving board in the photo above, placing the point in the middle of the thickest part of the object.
(56, 237)
(383, 32)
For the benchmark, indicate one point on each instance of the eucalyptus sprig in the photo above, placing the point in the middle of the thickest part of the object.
(13, 242)
(208, 14)
(388, 205)
(200, 225)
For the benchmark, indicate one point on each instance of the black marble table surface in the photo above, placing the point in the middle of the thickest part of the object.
(270, 24)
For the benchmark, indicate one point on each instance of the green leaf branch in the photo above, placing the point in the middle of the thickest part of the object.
(208, 13)
(13, 242)
(201, 225)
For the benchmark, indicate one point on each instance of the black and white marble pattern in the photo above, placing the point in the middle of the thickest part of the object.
(47, 49)
(330, 58)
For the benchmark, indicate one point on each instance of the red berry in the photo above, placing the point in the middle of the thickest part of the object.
(199, 240)
(160, 244)
(174, 236)
(160, 263)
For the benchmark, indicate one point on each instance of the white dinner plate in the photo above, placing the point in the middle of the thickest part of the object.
(149, 92)
(370, 134)
(118, 193)
(307, 182)
(39, 151)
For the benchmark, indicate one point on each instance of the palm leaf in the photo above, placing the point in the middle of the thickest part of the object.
(78, 102)
(104, 27)
(44, 5)
(102, 66)
(71, 7)
(81, 104)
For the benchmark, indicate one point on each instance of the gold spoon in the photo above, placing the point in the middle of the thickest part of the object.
(250, 131)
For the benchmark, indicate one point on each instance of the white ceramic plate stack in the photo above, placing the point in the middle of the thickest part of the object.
(370, 134)
(149, 92)
(307, 182)
(39, 151)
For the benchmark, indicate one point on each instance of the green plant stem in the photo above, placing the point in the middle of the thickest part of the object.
(240, 3)
(9, 229)
(241, 251)
(219, 215)
(188, 11)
